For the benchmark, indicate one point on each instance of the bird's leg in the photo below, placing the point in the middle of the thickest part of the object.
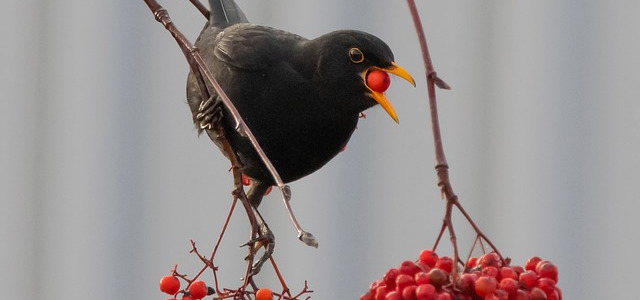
(265, 237)
(304, 236)
(239, 193)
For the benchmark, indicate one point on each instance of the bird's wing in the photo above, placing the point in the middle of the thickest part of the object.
(254, 47)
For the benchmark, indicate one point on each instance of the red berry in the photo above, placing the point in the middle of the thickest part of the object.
(169, 284)
(198, 289)
(408, 267)
(532, 263)
(423, 266)
(485, 285)
(466, 282)
(546, 269)
(490, 259)
(428, 257)
(490, 271)
(508, 272)
(540, 263)
(393, 296)
(425, 292)
(501, 294)
(378, 80)
(521, 295)
(409, 293)
(246, 180)
(268, 190)
(403, 281)
(509, 285)
(444, 296)
(381, 292)
(547, 285)
(553, 296)
(421, 278)
(188, 298)
(491, 297)
(389, 278)
(518, 269)
(366, 296)
(445, 263)
(559, 292)
(438, 277)
(537, 294)
(472, 262)
(528, 279)
(374, 285)
(264, 294)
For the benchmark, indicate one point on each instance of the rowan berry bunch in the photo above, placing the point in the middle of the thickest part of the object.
(487, 277)
(198, 289)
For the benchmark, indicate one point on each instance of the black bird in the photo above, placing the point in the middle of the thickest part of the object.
(301, 98)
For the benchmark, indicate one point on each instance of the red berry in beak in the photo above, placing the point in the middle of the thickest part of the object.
(378, 80)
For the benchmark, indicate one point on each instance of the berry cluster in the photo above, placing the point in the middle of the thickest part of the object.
(198, 289)
(486, 277)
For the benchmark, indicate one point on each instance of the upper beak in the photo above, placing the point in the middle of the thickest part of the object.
(380, 97)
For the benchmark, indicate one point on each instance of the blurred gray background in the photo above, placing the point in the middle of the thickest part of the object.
(103, 180)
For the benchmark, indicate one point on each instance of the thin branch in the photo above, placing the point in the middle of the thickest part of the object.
(201, 8)
(285, 288)
(432, 79)
(215, 248)
(441, 165)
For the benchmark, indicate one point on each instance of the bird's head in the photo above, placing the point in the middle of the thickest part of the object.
(360, 61)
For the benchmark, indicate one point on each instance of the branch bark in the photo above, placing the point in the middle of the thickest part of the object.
(441, 165)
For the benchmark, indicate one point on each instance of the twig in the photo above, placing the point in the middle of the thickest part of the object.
(441, 165)
(215, 248)
(201, 8)
(285, 288)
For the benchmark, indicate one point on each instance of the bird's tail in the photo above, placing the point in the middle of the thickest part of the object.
(225, 13)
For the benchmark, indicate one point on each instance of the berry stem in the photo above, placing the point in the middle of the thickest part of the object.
(215, 248)
(475, 227)
(285, 288)
(442, 229)
(441, 165)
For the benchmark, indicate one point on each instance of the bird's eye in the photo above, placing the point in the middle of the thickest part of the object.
(356, 55)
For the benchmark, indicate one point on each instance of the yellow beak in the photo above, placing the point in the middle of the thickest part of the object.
(380, 97)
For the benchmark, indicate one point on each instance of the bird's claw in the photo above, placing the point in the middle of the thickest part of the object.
(205, 104)
(206, 112)
(266, 240)
(257, 265)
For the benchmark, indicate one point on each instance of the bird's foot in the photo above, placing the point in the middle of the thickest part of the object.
(266, 240)
(206, 112)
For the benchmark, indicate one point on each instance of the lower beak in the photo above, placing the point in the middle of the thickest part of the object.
(380, 97)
